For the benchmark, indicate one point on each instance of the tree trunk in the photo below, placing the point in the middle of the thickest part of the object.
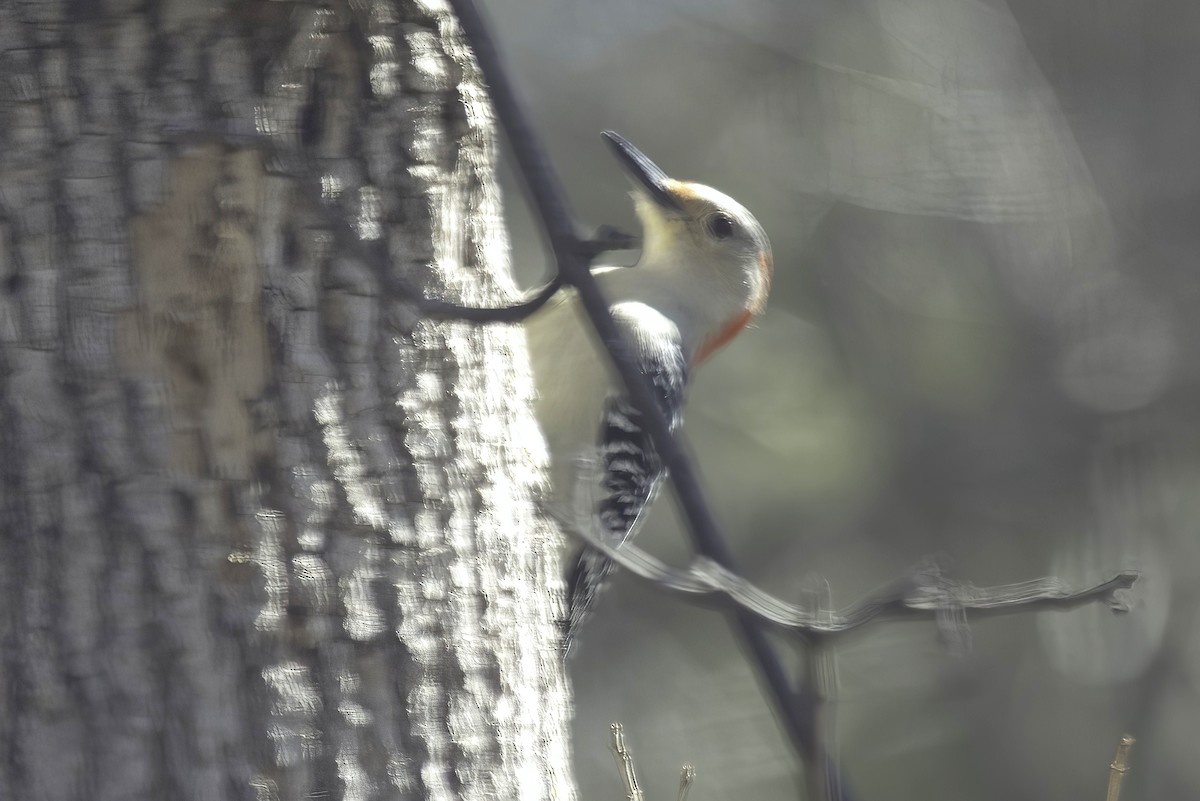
(265, 533)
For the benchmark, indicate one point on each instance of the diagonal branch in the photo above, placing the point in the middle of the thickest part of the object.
(554, 212)
(924, 594)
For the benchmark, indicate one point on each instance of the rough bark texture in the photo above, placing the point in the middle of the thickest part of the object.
(265, 532)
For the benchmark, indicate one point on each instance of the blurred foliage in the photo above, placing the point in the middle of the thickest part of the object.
(984, 219)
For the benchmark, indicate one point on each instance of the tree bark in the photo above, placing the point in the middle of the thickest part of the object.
(266, 533)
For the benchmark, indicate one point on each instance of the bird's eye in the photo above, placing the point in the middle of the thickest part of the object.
(720, 225)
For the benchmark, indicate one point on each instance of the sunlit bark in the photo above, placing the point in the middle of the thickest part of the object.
(266, 533)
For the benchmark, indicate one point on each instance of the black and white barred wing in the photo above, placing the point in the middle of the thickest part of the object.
(628, 472)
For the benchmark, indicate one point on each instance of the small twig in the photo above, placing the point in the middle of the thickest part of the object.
(287, 159)
(625, 766)
(687, 776)
(624, 758)
(1118, 768)
(821, 675)
(924, 594)
(606, 239)
(444, 310)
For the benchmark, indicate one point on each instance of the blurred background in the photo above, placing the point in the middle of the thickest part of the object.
(980, 346)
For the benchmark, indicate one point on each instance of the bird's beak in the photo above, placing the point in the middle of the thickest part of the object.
(643, 170)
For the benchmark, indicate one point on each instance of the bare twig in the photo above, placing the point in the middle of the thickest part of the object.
(285, 158)
(605, 240)
(924, 594)
(687, 776)
(432, 307)
(554, 212)
(624, 758)
(1118, 768)
(821, 674)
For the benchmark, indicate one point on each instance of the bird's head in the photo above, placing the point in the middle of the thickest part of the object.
(694, 227)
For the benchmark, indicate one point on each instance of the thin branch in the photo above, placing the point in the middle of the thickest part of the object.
(625, 766)
(1118, 768)
(821, 675)
(554, 212)
(925, 594)
(605, 240)
(624, 758)
(687, 777)
(286, 159)
(444, 310)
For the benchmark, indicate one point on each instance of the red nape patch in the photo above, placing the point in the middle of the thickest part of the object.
(720, 339)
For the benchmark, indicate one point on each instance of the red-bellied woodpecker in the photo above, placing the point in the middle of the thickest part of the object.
(703, 276)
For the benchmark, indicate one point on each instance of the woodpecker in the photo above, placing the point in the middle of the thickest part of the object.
(703, 276)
